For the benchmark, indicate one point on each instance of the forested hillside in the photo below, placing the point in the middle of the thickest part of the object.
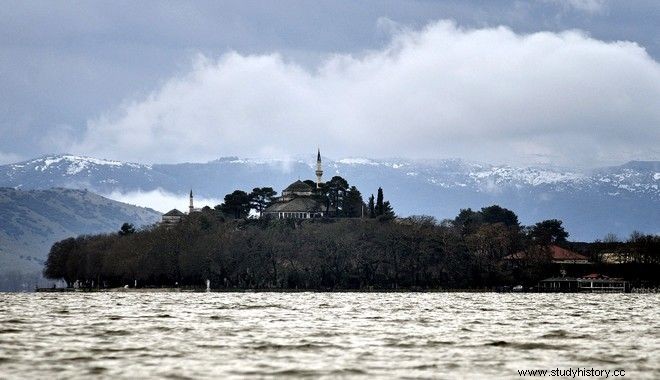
(31, 221)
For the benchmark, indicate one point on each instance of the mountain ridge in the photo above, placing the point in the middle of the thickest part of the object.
(594, 202)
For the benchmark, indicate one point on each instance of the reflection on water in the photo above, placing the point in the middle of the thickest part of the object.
(206, 335)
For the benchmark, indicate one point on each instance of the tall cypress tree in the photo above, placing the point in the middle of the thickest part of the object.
(353, 203)
(379, 202)
(372, 207)
(388, 212)
(337, 188)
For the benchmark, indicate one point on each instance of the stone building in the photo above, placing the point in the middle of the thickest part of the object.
(172, 217)
(299, 201)
(175, 216)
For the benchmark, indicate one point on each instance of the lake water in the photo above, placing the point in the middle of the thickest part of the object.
(212, 335)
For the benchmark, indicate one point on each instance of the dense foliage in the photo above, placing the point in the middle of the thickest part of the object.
(340, 253)
(337, 195)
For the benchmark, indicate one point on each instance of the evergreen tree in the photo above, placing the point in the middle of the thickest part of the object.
(337, 188)
(372, 207)
(353, 203)
(548, 232)
(467, 221)
(311, 183)
(388, 212)
(260, 198)
(236, 204)
(127, 229)
(496, 214)
(322, 194)
(379, 202)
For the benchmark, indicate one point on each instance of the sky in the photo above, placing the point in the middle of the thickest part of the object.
(562, 82)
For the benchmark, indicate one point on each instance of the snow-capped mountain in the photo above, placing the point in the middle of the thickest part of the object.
(614, 199)
(74, 171)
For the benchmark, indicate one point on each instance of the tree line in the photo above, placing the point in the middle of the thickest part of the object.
(374, 252)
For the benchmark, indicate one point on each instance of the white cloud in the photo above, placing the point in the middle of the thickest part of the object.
(161, 200)
(443, 91)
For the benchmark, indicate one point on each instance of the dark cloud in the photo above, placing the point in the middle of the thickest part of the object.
(64, 63)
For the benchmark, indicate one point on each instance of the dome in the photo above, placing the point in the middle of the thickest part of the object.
(298, 187)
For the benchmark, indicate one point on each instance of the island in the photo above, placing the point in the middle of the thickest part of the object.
(322, 236)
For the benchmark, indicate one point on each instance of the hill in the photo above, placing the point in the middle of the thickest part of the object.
(33, 220)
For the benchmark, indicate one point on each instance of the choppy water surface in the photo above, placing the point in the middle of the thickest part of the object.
(207, 335)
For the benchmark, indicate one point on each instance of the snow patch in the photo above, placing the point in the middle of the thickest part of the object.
(358, 161)
(392, 165)
(530, 176)
(245, 161)
(284, 165)
(76, 164)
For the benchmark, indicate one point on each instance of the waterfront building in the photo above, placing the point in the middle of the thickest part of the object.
(591, 283)
(554, 253)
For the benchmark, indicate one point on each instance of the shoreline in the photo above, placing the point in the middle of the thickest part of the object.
(266, 290)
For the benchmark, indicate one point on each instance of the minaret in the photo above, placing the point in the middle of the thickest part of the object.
(191, 207)
(319, 170)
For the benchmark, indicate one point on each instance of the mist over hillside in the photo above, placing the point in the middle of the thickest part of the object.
(616, 199)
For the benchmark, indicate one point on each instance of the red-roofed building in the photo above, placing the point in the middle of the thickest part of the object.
(560, 255)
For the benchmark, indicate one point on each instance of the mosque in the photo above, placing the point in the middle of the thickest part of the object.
(299, 201)
(175, 216)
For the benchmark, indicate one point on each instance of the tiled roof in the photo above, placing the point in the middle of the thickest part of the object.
(174, 212)
(557, 254)
(300, 204)
(560, 254)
